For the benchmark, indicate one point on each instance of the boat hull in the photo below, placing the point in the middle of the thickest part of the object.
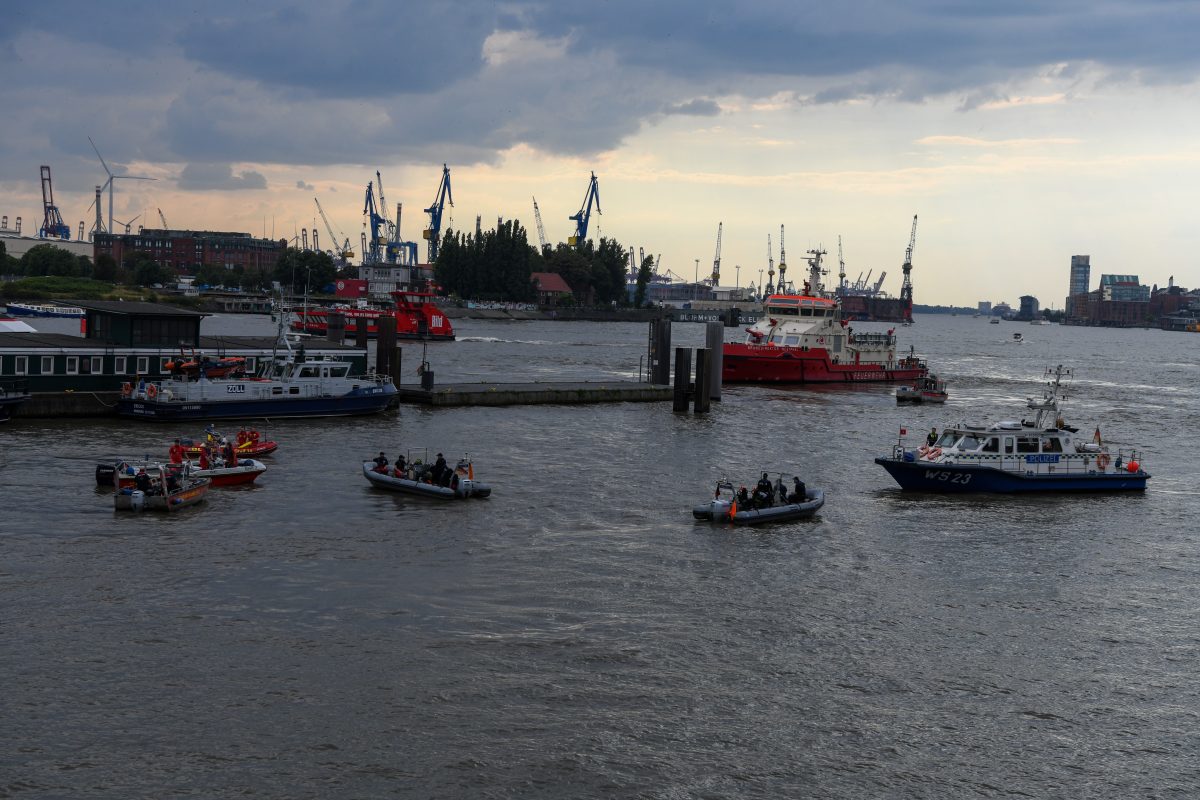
(247, 471)
(466, 486)
(718, 511)
(316, 328)
(128, 500)
(925, 476)
(370, 400)
(754, 363)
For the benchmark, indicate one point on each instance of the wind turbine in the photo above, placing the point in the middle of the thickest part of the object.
(111, 179)
(129, 224)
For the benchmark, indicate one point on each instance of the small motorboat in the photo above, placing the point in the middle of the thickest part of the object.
(748, 510)
(418, 479)
(199, 365)
(930, 389)
(160, 495)
(124, 473)
(1017, 338)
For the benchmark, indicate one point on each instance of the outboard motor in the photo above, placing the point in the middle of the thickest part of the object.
(106, 475)
(137, 500)
(465, 487)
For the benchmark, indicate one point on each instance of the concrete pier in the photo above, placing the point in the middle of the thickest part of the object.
(518, 394)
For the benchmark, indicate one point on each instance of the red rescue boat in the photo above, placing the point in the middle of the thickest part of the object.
(247, 443)
(416, 315)
(803, 338)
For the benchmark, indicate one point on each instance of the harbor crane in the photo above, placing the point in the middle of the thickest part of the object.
(879, 283)
(584, 215)
(906, 287)
(541, 231)
(163, 218)
(716, 273)
(841, 266)
(434, 231)
(343, 252)
(782, 263)
(383, 243)
(53, 226)
(770, 268)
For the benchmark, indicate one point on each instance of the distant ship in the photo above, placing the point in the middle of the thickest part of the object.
(416, 315)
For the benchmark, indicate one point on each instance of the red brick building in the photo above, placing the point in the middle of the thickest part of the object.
(187, 251)
(551, 288)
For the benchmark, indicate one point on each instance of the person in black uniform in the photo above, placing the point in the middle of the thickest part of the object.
(439, 470)
(799, 491)
(381, 462)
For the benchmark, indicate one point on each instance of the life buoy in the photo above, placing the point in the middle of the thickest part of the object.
(152, 391)
(933, 453)
(126, 389)
(1102, 461)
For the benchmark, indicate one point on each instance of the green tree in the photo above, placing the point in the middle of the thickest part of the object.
(106, 268)
(146, 271)
(297, 269)
(643, 280)
(46, 259)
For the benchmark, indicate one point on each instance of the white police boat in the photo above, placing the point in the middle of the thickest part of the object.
(1039, 455)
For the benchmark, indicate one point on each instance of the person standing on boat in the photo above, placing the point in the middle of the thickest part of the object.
(228, 454)
(176, 453)
(932, 438)
(381, 462)
(439, 469)
(799, 491)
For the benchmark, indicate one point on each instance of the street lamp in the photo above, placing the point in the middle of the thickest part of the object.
(696, 277)
(737, 270)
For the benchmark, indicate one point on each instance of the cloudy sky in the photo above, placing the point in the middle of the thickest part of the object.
(1021, 132)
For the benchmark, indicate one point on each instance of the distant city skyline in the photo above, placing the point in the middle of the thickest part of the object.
(1021, 136)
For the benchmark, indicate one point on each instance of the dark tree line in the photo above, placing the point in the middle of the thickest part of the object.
(498, 264)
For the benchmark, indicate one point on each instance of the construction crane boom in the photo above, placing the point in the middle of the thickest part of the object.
(841, 265)
(343, 251)
(541, 231)
(584, 214)
(434, 231)
(716, 273)
(164, 219)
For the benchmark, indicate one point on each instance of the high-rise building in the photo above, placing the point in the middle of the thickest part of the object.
(1081, 274)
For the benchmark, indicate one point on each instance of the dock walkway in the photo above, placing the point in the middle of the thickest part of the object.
(532, 393)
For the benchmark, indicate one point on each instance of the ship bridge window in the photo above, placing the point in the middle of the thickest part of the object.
(1051, 445)
(992, 445)
(776, 311)
(1027, 444)
(806, 312)
(969, 443)
(310, 372)
(946, 439)
(791, 340)
(339, 371)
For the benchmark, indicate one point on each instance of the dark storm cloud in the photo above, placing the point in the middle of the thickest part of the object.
(367, 81)
(218, 177)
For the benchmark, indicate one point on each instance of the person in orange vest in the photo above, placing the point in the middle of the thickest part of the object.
(242, 436)
(176, 453)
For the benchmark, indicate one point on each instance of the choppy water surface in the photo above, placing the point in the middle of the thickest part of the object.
(578, 635)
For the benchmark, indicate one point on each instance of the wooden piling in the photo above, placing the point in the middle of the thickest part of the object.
(335, 327)
(360, 331)
(714, 339)
(703, 393)
(683, 375)
(659, 366)
(385, 344)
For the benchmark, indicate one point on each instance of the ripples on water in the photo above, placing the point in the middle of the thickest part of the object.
(578, 634)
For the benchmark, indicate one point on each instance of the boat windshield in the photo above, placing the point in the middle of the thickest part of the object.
(969, 442)
(946, 439)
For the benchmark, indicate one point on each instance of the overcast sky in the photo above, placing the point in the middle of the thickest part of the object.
(1021, 133)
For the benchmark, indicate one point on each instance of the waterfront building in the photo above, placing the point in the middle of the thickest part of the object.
(1081, 276)
(985, 308)
(1123, 288)
(552, 290)
(186, 251)
(1029, 308)
(383, 278)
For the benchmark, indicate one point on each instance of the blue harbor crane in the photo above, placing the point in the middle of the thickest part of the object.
(582, 218)
(378, 229)
(53, 226)
(433, 233)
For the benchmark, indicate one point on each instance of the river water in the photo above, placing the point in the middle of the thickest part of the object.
(579, 635)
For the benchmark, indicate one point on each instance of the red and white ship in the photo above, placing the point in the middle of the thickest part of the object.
(803, 338)
(416, 315)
